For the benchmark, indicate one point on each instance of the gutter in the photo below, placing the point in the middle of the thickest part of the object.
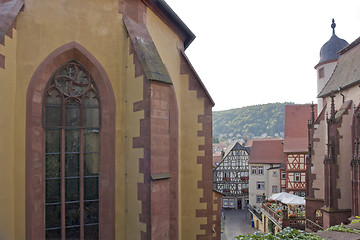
(166, 9)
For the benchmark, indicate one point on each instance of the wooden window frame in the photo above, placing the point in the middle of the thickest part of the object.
(283, 175)
(261, 170)
(260, 183)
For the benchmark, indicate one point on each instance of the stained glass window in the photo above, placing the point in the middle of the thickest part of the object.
(72, 126)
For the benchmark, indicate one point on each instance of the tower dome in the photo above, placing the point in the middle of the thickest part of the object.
(329, 50)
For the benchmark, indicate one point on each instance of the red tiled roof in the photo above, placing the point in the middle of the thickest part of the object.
(249, 142)
(267, 151)
(296, 127)
(216, 158)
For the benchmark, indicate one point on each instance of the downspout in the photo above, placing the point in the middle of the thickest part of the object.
(343, 96)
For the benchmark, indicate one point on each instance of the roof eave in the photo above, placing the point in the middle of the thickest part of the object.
(175, 19)
(328, 93)
(8, 13)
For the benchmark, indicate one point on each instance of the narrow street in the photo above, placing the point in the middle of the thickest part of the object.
(237, 222)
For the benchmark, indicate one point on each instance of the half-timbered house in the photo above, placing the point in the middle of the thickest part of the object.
(296, 147)
(231, 176)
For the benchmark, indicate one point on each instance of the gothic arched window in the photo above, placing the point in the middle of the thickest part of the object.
(71, 120)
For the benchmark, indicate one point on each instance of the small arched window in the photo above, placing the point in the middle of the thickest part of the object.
(71, 120)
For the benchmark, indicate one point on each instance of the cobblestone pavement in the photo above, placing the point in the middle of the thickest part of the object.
(237, 222)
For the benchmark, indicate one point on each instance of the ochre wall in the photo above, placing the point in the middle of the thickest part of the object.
(42, 27)
(134, 93)
(7, 141)
(190, 171)
(96, 25)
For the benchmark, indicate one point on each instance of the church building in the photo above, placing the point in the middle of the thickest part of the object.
(106, 128)
(333, 162)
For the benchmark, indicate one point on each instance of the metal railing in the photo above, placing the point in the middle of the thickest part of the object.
(279, 219)
(255, 212)
(277, 216)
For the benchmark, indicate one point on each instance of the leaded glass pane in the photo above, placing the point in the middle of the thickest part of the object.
(91, 99)
(53, 97)
(73, 233)
(72, 108)
(72, 189)
(91, 212)
(71, 165)
(77, 89)
(82, 77)
(72, 140)
(92, 232)
(53, 116)
(91, 191)
(52, 141)
(53, 234)
(52, 165)
(63, 83)
(53, 190)
(91, 140)
(91, 164)
(91, 117)
(53, 216)
(72, 214)
(72, 116)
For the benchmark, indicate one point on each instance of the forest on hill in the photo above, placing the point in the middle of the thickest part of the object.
(265, 120)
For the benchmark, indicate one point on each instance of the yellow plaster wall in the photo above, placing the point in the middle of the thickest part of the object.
(134, 93)
(166, 42)
(7, 126)
(190, 171)
(41, 28)
(216, 209)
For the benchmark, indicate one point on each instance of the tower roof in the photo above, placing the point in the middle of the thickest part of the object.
(330, 49)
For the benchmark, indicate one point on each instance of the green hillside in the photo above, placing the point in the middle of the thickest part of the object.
(249, 122)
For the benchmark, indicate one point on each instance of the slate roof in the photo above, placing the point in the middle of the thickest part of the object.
(8, 13)
(329, 51)
(296, 127)
(347, 70)
(267, 151)
(147, 53)
(236, 146)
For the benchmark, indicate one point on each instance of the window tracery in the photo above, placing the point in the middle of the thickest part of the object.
(71, 119)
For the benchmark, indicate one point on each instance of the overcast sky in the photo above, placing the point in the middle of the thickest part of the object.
(250, 52)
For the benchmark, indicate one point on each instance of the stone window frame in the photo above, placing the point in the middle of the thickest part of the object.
(35, 152)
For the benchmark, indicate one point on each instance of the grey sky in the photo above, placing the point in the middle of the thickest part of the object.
(255, 52)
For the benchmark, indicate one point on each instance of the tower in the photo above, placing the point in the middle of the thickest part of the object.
(328, 61)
